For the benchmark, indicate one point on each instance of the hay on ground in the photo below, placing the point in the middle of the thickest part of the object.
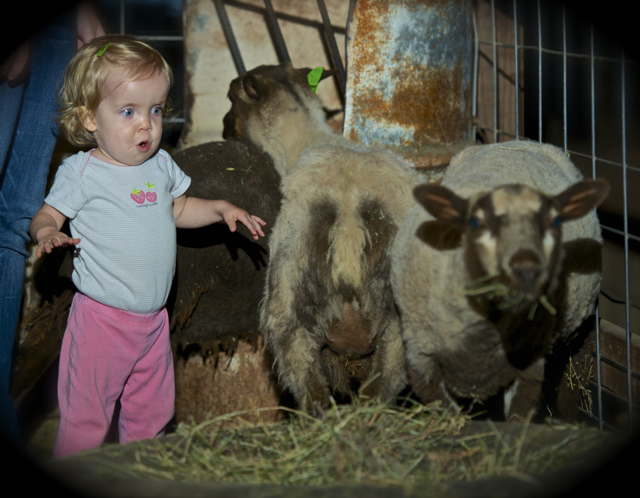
(362, 443)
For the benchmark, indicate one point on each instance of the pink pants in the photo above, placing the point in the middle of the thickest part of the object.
(108, 354)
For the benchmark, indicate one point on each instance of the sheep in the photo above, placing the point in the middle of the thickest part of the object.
(488, 276)
(220, 274)
(328, 312)
(221, 363)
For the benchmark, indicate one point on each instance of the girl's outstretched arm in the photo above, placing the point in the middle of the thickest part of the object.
(193, 212)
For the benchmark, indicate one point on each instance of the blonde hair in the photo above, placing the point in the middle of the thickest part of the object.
(89, 70)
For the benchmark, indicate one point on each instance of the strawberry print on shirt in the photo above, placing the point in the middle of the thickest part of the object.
(151, 196)
(137, 195)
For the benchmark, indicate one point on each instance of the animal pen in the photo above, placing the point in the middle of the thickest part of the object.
(534, 70)
(523, 69)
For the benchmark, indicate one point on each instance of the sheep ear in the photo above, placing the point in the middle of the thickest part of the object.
(441, 202)
(253, 87)
(582, 197)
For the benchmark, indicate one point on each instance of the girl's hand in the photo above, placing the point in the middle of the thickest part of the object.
(58, 239)
(233, 214)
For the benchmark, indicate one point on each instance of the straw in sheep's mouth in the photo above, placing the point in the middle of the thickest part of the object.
(483, 286)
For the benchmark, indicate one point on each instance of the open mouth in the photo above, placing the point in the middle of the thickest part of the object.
(144, 146)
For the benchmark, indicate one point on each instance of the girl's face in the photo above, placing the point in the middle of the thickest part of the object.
(127, 125)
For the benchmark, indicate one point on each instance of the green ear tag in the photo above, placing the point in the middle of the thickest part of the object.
(314, 78)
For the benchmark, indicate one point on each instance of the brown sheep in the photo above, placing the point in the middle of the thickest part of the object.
(328, 312)
(220, 274)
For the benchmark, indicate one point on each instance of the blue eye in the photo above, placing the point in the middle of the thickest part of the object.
(557, 222)
(474, 222)
(126, 112)
(156, 110)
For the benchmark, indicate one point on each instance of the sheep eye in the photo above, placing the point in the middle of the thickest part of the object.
(474, 222)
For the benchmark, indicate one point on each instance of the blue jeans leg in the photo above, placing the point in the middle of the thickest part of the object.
(11, 273)
(10, 100)
(23, 182)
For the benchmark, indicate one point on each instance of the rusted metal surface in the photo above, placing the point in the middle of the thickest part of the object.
(409, 78)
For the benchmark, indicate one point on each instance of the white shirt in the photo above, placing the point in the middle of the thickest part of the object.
(123, 216)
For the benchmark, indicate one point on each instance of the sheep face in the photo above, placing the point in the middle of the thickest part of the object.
(511, 237)
(256, 97)
(274, 108)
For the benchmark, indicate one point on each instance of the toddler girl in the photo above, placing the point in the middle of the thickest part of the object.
(124, 199)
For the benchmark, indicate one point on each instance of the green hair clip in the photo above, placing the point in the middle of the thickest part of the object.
(102, 50)
(314, 77)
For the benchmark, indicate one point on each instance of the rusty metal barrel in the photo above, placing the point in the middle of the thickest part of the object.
(409, 79)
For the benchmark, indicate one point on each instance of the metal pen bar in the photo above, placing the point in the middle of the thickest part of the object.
(593, 110)
(579, 154)
(601, 160)
(626, 245)
(619, 367)
(475, 70)
(122, 17)
(283, 16)
(619, 301)
(591, 415)
(496, 138)
(539, 75)
(620, 232)
(598, 369)
(564, 78)
(575, 153)
(611, 393)
(559, 52)
(333, 46)
(272, 22)
(614, 395)
(163, 38)
(605, 424)
(229, 36)
(517, 68)
(593, 166)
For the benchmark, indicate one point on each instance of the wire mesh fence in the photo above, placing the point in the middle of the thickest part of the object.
(546, 74)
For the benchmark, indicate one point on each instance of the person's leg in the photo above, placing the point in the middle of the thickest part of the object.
(148, 398)
(11, 274)
(27, 163)
(99, 351)
(10, 99)
(22, 181)
(11, 268)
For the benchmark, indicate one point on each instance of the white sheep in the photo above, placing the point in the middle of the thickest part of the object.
(328, 312)
(488, 276)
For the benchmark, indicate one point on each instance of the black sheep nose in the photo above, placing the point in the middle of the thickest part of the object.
(526, 266)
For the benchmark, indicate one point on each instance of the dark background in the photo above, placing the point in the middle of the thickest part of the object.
(616, 20)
